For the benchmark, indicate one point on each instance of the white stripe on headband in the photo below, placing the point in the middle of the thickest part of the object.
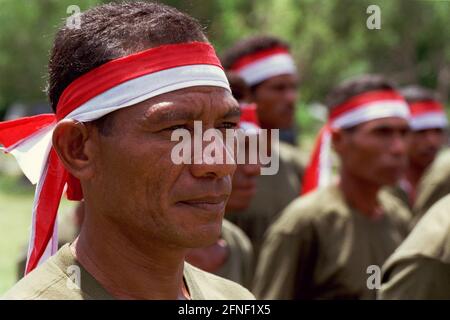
(371, 111)
(429, 120)
(149, 86)
(266, 68)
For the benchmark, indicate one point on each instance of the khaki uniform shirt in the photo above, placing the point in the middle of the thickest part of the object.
(420, 267)
(57, 279)
(239, 265)
(321, 248)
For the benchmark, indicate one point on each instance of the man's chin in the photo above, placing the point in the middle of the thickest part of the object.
(205, 237)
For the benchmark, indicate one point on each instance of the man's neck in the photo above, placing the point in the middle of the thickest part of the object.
(360, 194)
(124, 269)
(414, 173)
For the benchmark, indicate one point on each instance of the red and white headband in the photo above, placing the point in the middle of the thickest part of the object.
(249, 118)
(427, 115)
(117, 84)
(257, 67)
(357, 110)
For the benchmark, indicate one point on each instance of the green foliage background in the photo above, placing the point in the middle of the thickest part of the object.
(329, 39)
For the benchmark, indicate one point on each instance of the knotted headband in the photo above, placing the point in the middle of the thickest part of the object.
(358, 109)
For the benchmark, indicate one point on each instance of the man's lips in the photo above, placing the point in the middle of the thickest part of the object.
(249, 188)
(207, 203)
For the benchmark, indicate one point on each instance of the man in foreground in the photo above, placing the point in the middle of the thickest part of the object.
(120, 85)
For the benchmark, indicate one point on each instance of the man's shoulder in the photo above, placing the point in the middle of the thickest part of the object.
(429, 239)
(234, 235)
(293, 155)
(395, 207)
(315, 207)
(416, 277)
(438, 174)
(46, 282)
(397, 192)
(434, 185)
(212, 287)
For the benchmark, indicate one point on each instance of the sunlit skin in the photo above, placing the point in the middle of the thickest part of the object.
(373, 154)
(276, 98)
(143, 212)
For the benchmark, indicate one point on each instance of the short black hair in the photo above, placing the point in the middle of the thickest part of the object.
(111, 31)
(248, 46)
(415, 93)
(356, 86)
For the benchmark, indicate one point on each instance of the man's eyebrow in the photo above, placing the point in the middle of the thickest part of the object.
(170, 114)
(389, 127)
(167, 113)
(235, 111)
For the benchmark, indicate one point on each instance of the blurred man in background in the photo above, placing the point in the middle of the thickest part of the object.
(270, 73)
(324, 242)
(427, 178)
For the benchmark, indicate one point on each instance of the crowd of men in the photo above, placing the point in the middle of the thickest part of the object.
(372, 194)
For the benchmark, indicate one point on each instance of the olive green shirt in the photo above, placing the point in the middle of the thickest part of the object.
(420, 267)
(273, 194)
(434, 185)
(57, 279)
(239, 265)
(321, 248)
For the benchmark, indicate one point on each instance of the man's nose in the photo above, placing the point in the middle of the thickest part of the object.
(216, 160)
(251, 170)
(399, 144)
(290, 96)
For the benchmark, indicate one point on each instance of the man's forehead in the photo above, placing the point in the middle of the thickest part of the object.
(387, 123)
(191, 105)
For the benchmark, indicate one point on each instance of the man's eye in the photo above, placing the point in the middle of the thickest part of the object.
(228, 125)
(179, 126)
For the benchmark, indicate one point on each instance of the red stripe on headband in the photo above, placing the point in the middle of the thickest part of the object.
(133, 66)
(246, 60)
(47, 205)
(421, 107)
(362, 99)
(13, 131)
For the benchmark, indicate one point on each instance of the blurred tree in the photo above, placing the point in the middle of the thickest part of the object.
(329, 39)
(26, 35)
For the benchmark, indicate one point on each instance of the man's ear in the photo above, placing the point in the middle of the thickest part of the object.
(337, 140)
(72, 141)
